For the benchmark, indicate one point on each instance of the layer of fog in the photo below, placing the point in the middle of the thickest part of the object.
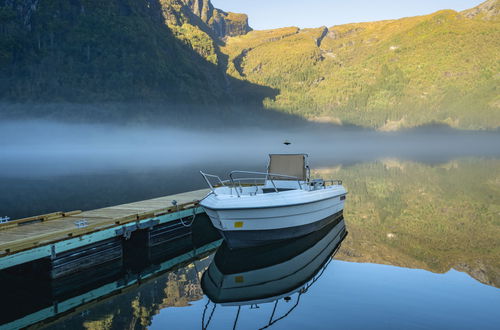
(42, 148)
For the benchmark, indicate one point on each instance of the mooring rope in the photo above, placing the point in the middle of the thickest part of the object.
(187, 225)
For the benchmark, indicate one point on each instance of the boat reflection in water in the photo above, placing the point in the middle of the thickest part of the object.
(284, 270)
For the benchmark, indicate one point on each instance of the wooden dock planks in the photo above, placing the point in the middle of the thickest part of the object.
(25, 234)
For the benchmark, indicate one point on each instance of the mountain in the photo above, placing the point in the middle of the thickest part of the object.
(114, 50)
(201, 26)
(443, 67)
(98, 50)
(438, 68)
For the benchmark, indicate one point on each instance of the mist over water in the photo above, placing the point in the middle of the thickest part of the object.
(421, 214)
(43, 148)
(47, 166)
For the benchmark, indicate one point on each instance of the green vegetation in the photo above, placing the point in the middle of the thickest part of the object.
(438, 68)
(201, 26)
(188, 28)
(442, 67)
(430, 217)
(89, 51)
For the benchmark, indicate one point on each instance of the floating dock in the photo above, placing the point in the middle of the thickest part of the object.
(72, 241)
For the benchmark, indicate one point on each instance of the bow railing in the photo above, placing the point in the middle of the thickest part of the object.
(238, 183)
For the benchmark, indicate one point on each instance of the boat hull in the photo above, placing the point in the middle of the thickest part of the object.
(252, 226)
(247, 238)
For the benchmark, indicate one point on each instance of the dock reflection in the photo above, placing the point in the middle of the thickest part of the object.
(31, 298)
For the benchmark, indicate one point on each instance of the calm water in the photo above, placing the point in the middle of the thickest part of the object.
(422, 251)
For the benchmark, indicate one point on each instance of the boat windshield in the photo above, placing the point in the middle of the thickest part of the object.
(287, 164)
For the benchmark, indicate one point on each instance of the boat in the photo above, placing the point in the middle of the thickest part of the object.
(257, 208)
(277, 272)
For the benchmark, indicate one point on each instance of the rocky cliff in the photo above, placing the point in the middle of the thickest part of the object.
(488, 10)
(222, 23)
(202, 27)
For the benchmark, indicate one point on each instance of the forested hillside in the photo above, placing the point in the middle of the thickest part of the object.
(102, 50)
(443, 67)
(438, 68)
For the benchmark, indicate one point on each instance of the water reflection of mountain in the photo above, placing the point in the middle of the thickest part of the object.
(135, 307)
(435, 218)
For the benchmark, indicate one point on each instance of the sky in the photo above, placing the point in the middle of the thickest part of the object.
(270, 14)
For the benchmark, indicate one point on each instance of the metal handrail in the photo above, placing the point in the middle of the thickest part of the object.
(268, 177)
(237, 182)
(206, 176)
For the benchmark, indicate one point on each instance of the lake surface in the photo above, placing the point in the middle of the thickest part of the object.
(422, 251)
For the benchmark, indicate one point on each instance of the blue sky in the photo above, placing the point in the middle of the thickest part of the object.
(268, 14)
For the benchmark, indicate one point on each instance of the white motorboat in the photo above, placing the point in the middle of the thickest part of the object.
(282, 203)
